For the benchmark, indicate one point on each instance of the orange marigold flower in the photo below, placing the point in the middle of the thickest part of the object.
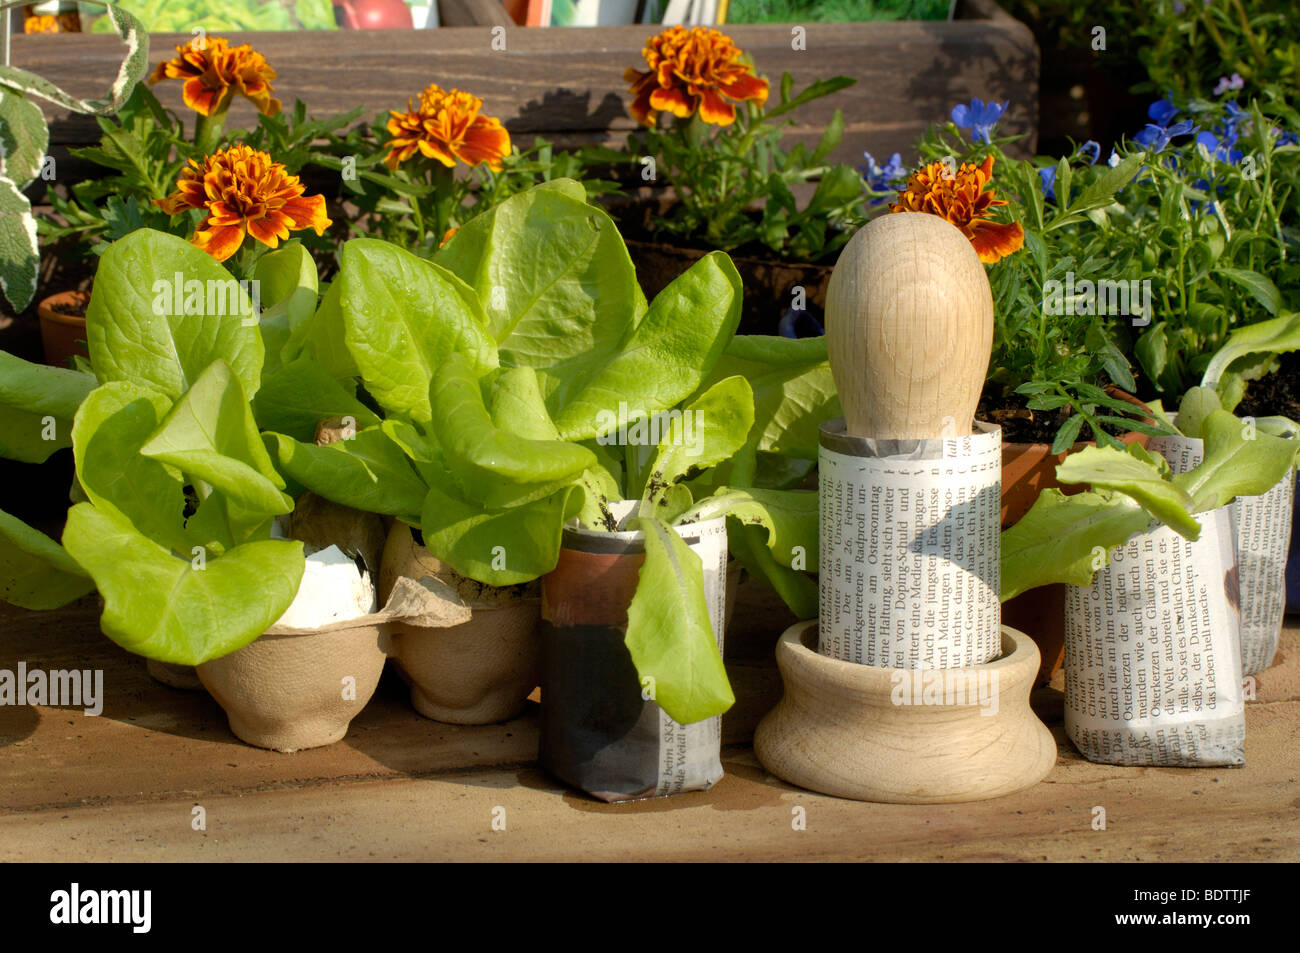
(962, 200)
(244, 192)
(447, 236)
(214, 72)
(447, 126)
(693, 70)
(40, 23)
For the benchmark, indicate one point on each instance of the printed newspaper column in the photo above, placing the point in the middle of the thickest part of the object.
(910, 549)
(1263, 539)
(600, 729)
(1152, 663)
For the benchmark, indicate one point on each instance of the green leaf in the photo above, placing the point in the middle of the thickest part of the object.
(1238, 461)
(797, 589)
(403, 317)
(1066, 539)
(111, 426)
(1133, 473)
(672, 350)
(707, 431)
(1197, 404)
(35, 571)
(209, 434)
(497, 547)
(366, 472)
(301, 394)
(555, 280)
(518, 405)
(166, 608)
(138, 331)
(288, 287)
(1275, 336)
(1261, 288)
(1103, 188)
(669, 634)
(37, 404)
(24, 137)
(19, 254)
(788, 516)
(322, 338)
(492, 466)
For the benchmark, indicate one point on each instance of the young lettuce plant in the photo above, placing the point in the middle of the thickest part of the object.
(503, 371)
(1067, 538)
(179, 491)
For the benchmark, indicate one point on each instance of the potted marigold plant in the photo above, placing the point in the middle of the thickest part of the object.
(733, 183)
(146, 147)
(415, 175)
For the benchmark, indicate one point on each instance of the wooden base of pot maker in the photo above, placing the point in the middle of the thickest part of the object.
(873, 734)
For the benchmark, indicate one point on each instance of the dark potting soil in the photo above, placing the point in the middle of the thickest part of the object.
(76, 309)
(1277, 395)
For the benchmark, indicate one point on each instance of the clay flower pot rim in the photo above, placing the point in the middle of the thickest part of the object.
(45, 309)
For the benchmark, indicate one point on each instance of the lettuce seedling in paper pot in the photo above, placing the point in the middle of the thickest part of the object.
(505, 371)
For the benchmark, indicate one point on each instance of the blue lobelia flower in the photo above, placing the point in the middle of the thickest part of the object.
(979, 117)
(1047, 181)
(1286, 138)
(1161, 111)
(1156, 138)
(1092, 150)
(1220, 147)
(883, 179)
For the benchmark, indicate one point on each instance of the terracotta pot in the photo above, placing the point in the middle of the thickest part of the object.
(768, 283)
(289, 692)
(477, 673)
(908, 736)
(1027, 470)
(175, 676)
(63, 335)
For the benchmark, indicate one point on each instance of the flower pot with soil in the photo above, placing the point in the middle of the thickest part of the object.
(480, 671)
(63, 327)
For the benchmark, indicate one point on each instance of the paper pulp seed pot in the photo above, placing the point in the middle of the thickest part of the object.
(301, 684)
(478, 672)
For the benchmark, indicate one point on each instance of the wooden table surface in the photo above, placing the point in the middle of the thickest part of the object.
(123, 786)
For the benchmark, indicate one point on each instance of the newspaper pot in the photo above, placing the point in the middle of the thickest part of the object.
(599, 732)
(769, 283)
(909, 549)
(300, 684)
(1027, 470)
(1152, 657)
(1263, 537)
(1293, 557)
(478, 672)
(63, 332)
(907, 736)
(174, 676)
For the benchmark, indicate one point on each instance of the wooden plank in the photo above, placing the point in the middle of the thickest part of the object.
(568, 83)
(121, 786)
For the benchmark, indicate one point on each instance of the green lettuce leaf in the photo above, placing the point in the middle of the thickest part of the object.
(1136, 474)
(37, 405)
(35, 571)
(140, 332)
(669, 634)
(165, 607)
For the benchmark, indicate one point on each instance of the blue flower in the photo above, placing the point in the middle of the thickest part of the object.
(1287, 138)
(1220, 147)
(1156, 138)
(1162, 110)
(1047, 181)
(883, 179)
(979, 117)
(799, 324)
(1092, 150)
